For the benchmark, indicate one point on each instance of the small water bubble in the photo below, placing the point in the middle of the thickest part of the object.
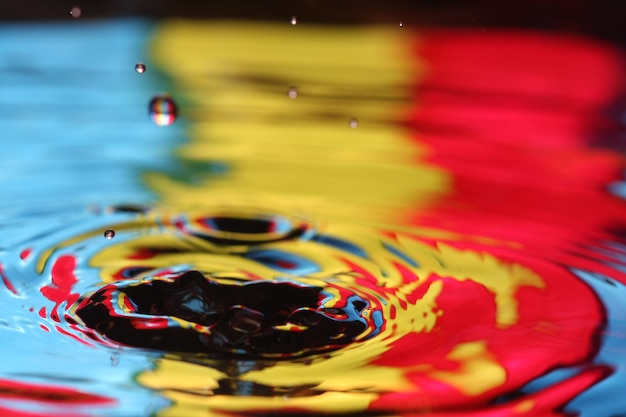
(75, 12)
(294, 21)
(140, 68)
(292, 93)
(109, 234)
(162, 110)
(354, 123)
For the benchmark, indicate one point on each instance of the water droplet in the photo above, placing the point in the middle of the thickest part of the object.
(75, 12)
(294, 21)
(109, 234)
(162, 110)
(140, 68)
(354, 123)
(400, 24)
(292, 93)
(115, 359)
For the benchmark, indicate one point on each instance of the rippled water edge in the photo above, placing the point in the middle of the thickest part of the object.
(386, 269)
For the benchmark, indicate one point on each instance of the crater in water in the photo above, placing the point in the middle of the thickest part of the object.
(191, 312)
(250, 294)
(226, 285)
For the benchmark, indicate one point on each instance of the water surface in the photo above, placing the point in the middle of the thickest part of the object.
(432, 225)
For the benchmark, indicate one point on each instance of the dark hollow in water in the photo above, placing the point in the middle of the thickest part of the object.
(221, 230)
(239, 225)
(252, 319)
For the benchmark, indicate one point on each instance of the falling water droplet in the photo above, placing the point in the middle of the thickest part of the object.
(293, 92)
(294, 21)
(109, 234)
(140, 68)
(115, 359)
(400, 24)
(354, 123)
(162, 110)
(75, 12)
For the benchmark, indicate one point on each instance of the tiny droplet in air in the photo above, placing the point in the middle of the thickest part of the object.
(109, 234)
(75, 12)
(400, 24)
(162, 110)
(140, 68)
(354, 123)
(293, 92)
(294, 21)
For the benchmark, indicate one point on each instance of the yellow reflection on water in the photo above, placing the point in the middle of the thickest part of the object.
(296, 154)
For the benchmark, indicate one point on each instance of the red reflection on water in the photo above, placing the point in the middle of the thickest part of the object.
(63, 279)
(540, 404)
(512, 115)
(7, 283)
(25, 253)
(46, 395)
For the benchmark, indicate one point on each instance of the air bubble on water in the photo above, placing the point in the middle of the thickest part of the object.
(109, 234)
(115, 359)
(162, 110)
(140, 68)
(294, 21)
(75, 12)
(292, 93)
(354, 123)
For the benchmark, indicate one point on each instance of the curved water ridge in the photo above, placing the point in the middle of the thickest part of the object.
(226, 285)
(267, 305)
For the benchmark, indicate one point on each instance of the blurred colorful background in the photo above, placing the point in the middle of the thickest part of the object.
(269, 209)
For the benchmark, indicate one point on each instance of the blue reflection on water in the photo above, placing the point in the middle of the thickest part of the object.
(72, 103)
(75, 132)
(600, 399)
